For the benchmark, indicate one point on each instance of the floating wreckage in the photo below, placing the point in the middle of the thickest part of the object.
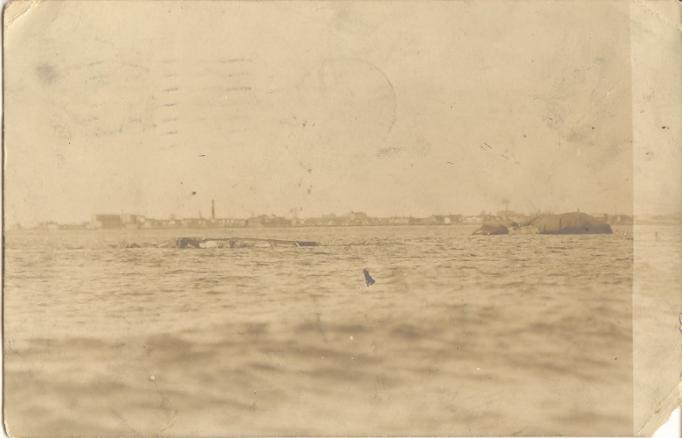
(217, 242)
(570, 223)
(237, 242)
(566, 223)
(491, 229)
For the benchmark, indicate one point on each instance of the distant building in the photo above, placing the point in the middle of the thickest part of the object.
(297, 222)
(151, 223)
(267, 221)
(132, 220)
(431, 220)
(106, 221)
(170, 223)
(398, 221)
(472, 219)
(124, 220)
(441, 219)
(194, 223)
(235, 222)
(257, 221)
(358, 218)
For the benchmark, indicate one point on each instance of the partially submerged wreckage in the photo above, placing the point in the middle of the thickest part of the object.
(566, 223)
(221, 242)
(238, 242)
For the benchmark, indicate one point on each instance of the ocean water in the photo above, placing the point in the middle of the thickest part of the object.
(460, 335)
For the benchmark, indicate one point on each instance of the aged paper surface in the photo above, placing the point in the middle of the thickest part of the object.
(657, 269)
(341, 218)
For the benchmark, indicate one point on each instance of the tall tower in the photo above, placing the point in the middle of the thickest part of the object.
(212, 209)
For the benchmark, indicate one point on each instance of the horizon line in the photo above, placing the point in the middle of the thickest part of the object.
(329, 215)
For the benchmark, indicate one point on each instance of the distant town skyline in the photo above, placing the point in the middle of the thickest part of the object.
(205, 213)
(448, 217)
(353, 112)
(135, 221)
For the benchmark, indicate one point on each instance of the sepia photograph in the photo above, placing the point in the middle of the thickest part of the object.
(341, 218)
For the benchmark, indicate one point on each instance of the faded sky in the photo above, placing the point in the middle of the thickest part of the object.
(393, 108)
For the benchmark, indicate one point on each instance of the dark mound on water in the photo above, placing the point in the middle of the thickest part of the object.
(491, 229)
(570, 223)
(234, 242)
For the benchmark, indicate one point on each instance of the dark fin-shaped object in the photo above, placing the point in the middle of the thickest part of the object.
(368, 278)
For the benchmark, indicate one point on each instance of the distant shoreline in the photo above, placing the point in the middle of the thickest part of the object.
(238, 227)
(352, 219)
(458, 225)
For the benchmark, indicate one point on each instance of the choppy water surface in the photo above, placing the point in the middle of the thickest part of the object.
(461, 334)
